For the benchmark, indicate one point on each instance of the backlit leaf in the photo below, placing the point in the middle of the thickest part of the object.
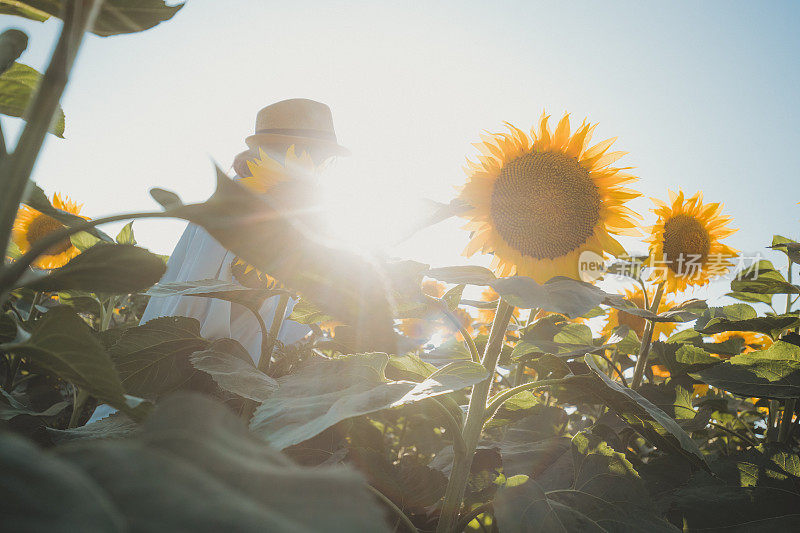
(106, 268)
(770, 373)
(231, 367)
(17, 86)
(328, 392)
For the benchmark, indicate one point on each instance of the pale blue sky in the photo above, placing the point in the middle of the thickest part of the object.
(702, 94)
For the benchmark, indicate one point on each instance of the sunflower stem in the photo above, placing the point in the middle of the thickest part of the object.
(399, 512)
(468, 341)
(647, 338)
(79, 400)
(786, 420)
(532, 316)
(108, 313)
(519, 372)
(487, 507)
(274, 331)
(497, 401)
(78, 15)
(452, 425)
(476, 411)
(268, 341)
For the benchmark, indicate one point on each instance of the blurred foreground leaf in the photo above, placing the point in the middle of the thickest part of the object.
(103, 268)
(192, 467)
(115, 17)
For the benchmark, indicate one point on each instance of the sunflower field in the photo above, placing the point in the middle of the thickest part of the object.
(542, 403)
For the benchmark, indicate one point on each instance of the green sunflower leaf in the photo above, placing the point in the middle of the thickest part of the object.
(115, 17)
(104, 268)
(768, 325)
(770, 373)
(65, 345)
(17, 86)
(645, 417)
(328, 392)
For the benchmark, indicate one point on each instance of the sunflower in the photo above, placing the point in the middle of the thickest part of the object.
(539, 201)
(660, 371)
(751, 340)
(422, 329)
(31, 225)
(417, 328)
(465, 319)
(249, 276)
(433, 288)
(620, 318)
(266, 172)
(685, 242)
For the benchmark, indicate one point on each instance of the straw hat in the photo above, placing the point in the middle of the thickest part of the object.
(296, 121)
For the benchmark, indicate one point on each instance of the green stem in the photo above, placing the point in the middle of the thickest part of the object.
(456, 486)
(734, 433)
(500, 398)
(107, 313)
(78, 402)
(78, 15)
(772, 416)
(519, 371)
(473, 514)
(473, 349)
(399, 512)
(644, 289)
(34, 312)
(274, 330)
(789, 300)
(532, 316)
(614, 366)
(647, 338)
(453, 427)
(249, 405)
(786, 420)
(13, 368)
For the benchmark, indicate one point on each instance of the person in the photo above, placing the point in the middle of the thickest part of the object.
(283, 129)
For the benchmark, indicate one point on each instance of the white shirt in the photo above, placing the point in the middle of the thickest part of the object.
(199, 256)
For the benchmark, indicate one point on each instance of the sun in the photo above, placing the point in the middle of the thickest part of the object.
(539, 201)
(368, 208)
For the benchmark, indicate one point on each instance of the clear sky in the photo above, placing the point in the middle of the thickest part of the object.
(702, 94)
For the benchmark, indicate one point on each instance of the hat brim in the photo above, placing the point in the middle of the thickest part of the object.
(261, 139)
